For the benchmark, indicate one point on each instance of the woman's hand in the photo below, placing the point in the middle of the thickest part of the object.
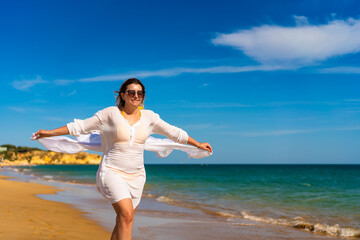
(205, 146)
(41, 133)
(50, 133)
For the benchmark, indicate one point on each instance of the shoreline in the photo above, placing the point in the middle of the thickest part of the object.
(157, 220)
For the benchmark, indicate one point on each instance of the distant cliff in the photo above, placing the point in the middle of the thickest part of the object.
(15, 156)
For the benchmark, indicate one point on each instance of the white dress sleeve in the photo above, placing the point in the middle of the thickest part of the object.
(86, 126)
(161, 127)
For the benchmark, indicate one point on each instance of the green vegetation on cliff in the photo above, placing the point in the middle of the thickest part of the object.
(13, 151)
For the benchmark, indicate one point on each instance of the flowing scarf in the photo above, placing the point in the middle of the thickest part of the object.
(161, 147)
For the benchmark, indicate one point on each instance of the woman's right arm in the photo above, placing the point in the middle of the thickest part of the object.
(50, 133)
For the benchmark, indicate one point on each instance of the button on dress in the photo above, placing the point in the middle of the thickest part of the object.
(121, 173)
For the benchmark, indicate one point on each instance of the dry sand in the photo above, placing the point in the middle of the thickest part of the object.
(26, 216)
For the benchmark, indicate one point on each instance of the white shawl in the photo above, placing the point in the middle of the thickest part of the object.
(162, 147)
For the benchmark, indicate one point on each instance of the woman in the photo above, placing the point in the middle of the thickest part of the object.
(124, 129)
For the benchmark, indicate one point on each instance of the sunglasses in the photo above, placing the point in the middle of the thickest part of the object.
(132, 93)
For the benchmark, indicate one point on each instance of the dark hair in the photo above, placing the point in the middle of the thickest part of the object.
(120, 103)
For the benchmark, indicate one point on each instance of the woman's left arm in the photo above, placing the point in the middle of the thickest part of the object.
(204, 145)
(176, 134)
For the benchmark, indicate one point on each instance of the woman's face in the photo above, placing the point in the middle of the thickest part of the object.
(133, 95)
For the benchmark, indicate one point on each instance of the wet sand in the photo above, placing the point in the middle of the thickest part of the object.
(163, 227)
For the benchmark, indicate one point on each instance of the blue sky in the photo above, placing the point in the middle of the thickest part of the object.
(263, 82)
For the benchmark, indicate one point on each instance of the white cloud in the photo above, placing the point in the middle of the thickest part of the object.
(56, 119)
(39, 101)
(63, 82)
(300, 45)
(68, 94)
(343, 69)
(138, 74)
(214, 105)
(275, 133)
(279, 104)
(203, 126)
(353, 128)
(177, 71)
(294, 131)
(24, 85)
(17, 109)
(274, 47)
(196, 105)
(25, 109)
(301, 20)
(72, 93)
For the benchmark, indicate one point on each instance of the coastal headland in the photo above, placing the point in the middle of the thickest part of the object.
(25, 156)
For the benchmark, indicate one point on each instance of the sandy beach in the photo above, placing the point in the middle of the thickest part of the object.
(24, 215)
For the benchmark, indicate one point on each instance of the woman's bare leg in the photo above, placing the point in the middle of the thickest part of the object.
(114, 233)
(124, 220)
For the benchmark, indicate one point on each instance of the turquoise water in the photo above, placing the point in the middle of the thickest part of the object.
(321, 198)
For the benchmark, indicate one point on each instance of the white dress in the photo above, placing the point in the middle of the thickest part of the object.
(121, 172)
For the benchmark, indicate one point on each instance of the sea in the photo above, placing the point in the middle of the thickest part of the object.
(317, 198)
